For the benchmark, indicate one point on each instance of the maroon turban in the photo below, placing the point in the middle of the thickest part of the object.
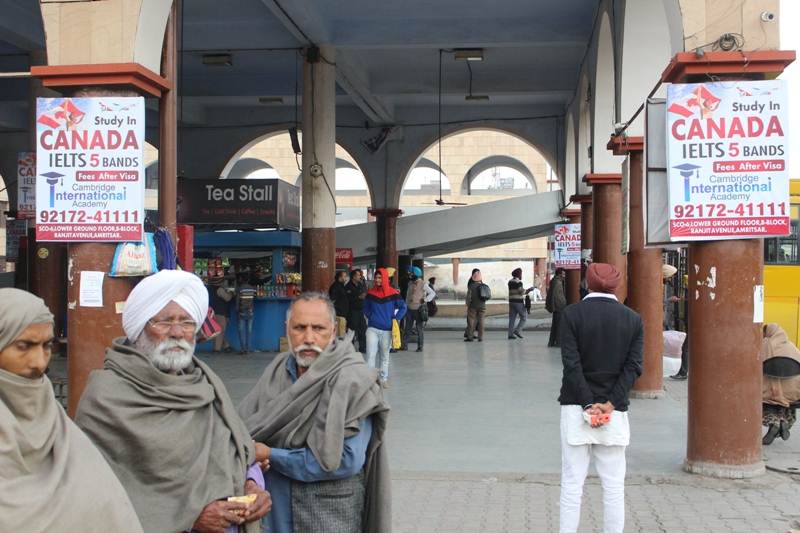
(602, 277)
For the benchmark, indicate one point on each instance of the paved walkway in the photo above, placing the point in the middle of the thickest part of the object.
(474, 447)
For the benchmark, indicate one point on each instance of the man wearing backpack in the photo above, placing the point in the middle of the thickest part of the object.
(516, 304)
(555, 303)
(477, 295)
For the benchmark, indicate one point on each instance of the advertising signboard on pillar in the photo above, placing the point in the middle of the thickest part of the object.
(26, 185)
(567, 250)
(90, 169)
(727, 148)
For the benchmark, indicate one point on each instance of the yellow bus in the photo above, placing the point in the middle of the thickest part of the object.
(782, 274)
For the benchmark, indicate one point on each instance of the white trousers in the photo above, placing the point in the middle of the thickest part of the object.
(379, 342)
(609, 461)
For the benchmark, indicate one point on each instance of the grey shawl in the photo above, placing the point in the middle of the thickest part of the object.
(51, 476)
(322, 408)
(175, 441)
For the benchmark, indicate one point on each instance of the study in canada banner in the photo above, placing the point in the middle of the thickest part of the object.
(727, 154)
(90, 169)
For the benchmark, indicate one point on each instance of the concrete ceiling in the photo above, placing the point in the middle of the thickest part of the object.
(387, 55)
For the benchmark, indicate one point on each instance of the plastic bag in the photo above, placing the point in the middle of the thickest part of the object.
(397, 339)
(135, 258)
(673, 343)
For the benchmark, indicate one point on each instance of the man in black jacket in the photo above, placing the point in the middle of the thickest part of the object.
(356, 291)
(338, 296)
(601, 349)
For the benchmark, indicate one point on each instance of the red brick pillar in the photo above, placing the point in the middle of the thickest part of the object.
(725, 374)
(607, 226)
(645, 288)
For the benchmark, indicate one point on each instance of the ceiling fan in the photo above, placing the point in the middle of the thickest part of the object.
(440, 201)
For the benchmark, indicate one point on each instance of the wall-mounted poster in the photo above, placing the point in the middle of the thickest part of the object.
(90, 169)
(727, 147)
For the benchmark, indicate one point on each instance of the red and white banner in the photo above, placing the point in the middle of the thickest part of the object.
(90, 169)
(727, 150)
(344, 256)
(567, 250)
(26, 185)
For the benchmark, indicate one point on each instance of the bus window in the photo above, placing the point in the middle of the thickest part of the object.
(783, 250)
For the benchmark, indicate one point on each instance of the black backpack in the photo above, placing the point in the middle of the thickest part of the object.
(484, 292)
(548, 302)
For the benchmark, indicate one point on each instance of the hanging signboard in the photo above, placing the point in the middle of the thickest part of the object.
(567, 251)
(244, 203)
(15, 230)
(26, 185)
(90, 169)
(726, 160)
(344, 256)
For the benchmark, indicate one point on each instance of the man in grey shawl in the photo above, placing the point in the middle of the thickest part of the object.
(320, 410)
(52, 478)
(165, 422)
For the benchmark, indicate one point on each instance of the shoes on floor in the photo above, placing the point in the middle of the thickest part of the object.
(517, 334)
(771, 434)
(679, 376)
(467, 339)
(419, 348)
(784, 427)
(512, 338)
(480, 340)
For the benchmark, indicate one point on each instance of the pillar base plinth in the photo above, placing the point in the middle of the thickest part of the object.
(647, 394)
(724, 471)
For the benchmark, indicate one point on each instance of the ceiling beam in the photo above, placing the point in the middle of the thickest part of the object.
(302, 21)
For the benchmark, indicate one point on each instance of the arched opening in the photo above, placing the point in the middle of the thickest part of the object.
(477, 166)
(499, 174)
(571, 158)
(272, 156)
(645, 21)
(604, 101)
(501, 162)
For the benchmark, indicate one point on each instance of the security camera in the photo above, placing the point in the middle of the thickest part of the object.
(619, 127)
(767, 16)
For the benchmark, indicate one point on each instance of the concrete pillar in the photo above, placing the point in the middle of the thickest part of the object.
(319, 168)
(168, 132)
(456, 263)
(573, 281)
(645, 288)
(85, 60)
(587, 226)
(386, 222)
(724, 438)
(607, 224)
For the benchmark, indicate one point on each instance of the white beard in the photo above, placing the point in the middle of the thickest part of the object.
(163, 356)
(305, 361)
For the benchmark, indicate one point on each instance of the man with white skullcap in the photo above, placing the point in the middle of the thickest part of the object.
(164, 421)
(51, 476)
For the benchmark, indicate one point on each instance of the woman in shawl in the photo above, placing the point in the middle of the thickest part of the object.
(382, 305)
(781, 383)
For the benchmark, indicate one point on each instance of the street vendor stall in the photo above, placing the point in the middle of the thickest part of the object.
(245, 232)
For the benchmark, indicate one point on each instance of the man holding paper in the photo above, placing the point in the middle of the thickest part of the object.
(601, 349)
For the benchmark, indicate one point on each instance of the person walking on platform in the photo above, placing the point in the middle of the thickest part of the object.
(516, 304)
(382, 305)
(476, 307)
(338, 295)
(555, 302)
(474, 278)
(601, 351)
(417, 296)
(356, 291)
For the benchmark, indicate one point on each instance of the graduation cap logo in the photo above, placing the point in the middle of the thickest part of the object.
(686, 170)
(52, 180)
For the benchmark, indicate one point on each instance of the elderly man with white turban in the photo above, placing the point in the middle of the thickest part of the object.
(165, 422)
(51, 476)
